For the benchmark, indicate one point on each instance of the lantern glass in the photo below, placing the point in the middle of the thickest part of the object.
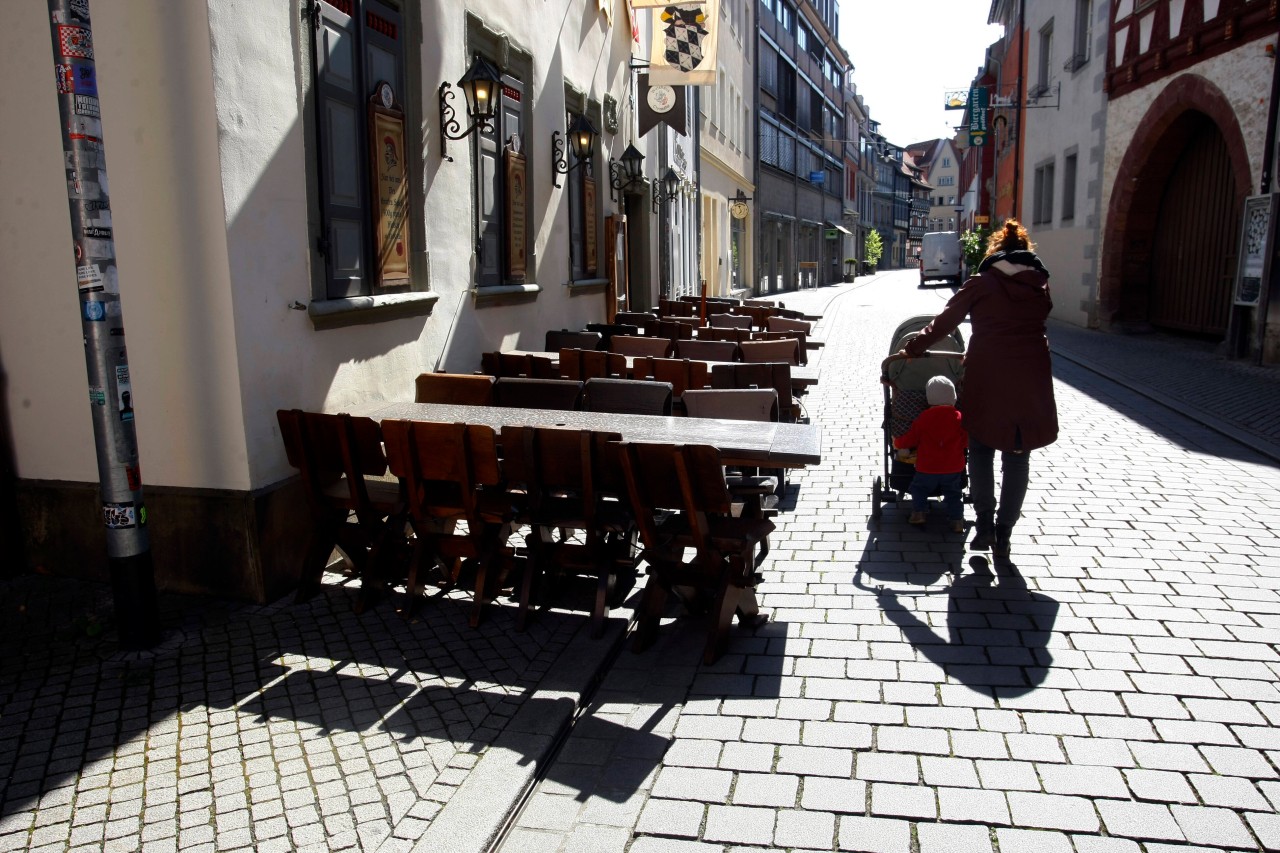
(631, 159)
(582, 137)
(671, 182)
(480, 86)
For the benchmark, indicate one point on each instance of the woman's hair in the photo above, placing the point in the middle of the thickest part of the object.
(1010, 238)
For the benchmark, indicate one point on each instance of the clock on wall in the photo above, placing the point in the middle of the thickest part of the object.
(386, 96)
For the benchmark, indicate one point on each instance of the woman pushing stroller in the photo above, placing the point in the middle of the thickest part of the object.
(1007, 397)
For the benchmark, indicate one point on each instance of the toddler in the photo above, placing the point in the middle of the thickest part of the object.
(939, 437)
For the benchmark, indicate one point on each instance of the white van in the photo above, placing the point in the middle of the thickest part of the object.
(940, 257)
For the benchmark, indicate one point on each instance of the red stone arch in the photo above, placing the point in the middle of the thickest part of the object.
(1135, 199)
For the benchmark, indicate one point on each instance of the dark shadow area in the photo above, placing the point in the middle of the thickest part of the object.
(997, 629)
(69, 698)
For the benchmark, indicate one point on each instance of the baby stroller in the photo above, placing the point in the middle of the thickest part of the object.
(904, 381)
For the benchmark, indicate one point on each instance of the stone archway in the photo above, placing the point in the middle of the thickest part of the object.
(1190, 114)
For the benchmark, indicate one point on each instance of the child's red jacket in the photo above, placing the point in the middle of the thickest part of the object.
(940, 440)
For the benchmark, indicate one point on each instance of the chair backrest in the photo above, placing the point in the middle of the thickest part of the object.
(801, 339)
(682, 373)
(528, 365)
(524, 393)
(707, 350)
(558, 459)
(775, 375)
(442, 464)
(628, 396)
(636, 345)
(587, 364)
(717, 333)
(327, 449)
(608, 330)
(784, 349)
(786, 324)
(672, 329)
(729, 321)
(558, 339)
(739, 404)
(687, 478)
(676, 308)
(639, 319)
(759, 314)
(468, 389)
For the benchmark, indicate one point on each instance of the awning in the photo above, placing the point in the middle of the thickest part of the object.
(839, 228)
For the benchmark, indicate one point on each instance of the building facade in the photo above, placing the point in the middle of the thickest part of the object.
(799, 121)
(258, 268)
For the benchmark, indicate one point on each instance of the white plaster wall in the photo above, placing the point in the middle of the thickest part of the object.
(1244, 77)
(206, 142)
(1077, 124)
(156, 99)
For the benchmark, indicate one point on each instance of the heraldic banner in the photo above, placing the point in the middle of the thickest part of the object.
(685, 38)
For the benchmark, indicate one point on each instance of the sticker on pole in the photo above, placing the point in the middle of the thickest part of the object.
(119, 516)
(76, 41)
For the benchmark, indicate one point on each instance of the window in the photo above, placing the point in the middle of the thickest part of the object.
(1080, 36)
(1042, 202)
(768, 68)
(584, 205)
(1069, 187)
(803, 38)
(1045, 60)
(503, 191)
(786, 89)
(359, 43)
(946, 162)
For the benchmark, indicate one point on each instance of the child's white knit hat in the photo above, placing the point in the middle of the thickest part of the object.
(940, 392)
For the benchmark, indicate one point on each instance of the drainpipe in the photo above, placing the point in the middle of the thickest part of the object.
(1266, 304)
(1022, 111)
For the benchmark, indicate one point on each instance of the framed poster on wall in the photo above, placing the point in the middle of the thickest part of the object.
(1256, 230)
(390, 189)
(517, 213)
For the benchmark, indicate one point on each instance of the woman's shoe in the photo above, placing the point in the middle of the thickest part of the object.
(957, 525)
(984, 531)
(1000, 548)
(917, 518)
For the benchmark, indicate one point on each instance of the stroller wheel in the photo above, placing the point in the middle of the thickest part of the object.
(875, 499)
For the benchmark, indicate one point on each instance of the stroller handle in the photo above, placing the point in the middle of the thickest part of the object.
(897, 356)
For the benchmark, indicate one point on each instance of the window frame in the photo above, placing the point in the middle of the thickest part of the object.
(1070, 174)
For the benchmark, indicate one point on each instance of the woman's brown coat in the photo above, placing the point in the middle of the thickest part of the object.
(1007, 398)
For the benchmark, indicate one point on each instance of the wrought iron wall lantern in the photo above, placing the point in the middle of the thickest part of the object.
(668, 191)
(582, 141)
(480, 85)
(738, 205)
(625, 174)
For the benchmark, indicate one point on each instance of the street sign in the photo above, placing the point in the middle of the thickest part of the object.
(977, 116)
(817, 177)
(981, 220)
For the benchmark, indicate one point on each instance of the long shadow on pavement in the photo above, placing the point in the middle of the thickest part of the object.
(996, 629)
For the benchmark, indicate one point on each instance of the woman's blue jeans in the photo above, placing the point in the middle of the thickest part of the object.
(1015, 473)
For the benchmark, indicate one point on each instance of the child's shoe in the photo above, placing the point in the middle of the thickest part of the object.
(917, 518)
(957, 525)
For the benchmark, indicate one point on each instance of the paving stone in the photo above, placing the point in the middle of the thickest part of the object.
(911, 801)
(1052, 811)
(1266, 827)
(888, 767)
(682, 783)
(874, 835)
(813, 830)
(1139, 820)
(765, 789)
(740, 824)
(815, 761)
(1230, 761)
(1102, 844)
(1008, 775)
(1229, 791)
(844, 796)
(1205, 825)
(1159, 785)
(969, 804)
(671, 817)
(1086, 780)
(944, 838)
(1032, 841)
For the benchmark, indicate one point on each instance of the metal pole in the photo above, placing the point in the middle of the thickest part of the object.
(111, 401)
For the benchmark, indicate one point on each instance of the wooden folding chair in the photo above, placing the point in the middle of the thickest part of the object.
(451, 475)
(681, 501)
(339, 458)
(775, 375)
(608, 330)
(527, 365)
(787, 324)
(468, 389)
(628, 396)
(522, 393)
(558, 339)
(639, 319)
(590, 364)
(718, 333)
(785, 350)
(759, 314)
(676, 308)
(800, 338)
(672, 329)
(729, 321)
(755, 489)
(572, 480)
(682, 373)
(636, 345)
(707, 350)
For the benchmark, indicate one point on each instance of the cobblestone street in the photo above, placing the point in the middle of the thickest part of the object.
(1110, 689)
